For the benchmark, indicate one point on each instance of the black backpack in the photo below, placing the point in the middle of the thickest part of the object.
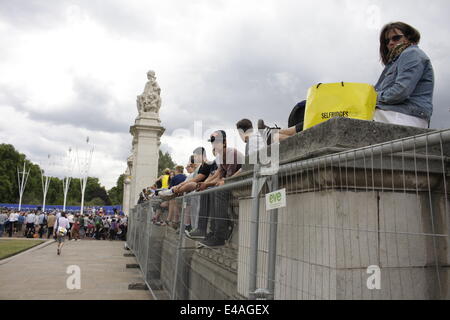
(297, 115)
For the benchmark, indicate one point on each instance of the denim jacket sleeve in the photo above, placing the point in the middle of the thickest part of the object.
(410, 68)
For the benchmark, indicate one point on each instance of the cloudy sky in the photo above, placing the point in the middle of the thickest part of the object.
(72, 69)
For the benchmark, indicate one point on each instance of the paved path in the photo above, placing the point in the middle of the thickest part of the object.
(41, 274)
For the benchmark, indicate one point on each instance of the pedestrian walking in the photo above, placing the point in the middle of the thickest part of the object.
(61, 226)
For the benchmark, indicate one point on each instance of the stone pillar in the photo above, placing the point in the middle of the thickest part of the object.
(126, 192)
(146, 132)
(133, 174)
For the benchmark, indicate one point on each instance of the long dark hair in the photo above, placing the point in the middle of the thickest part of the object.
(412, 34)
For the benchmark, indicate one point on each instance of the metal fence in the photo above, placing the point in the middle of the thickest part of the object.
(369, 223)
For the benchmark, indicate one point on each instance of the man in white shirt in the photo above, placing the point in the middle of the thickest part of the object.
(61, 228)
(30, 221)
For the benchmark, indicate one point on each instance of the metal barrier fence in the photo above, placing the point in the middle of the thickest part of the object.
(369, 223)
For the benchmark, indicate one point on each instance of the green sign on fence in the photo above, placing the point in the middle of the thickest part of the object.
(276, 199)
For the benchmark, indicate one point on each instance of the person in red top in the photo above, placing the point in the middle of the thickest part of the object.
(75, 230)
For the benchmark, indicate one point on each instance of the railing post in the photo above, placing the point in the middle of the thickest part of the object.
(254, 230)
(180, 242)
(272, 244)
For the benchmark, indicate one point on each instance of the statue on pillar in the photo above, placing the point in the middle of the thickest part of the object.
(150, 100)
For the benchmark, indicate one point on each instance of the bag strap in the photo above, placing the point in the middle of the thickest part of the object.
(342, 83)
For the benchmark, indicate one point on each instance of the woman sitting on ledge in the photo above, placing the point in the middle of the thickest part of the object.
(405, 87)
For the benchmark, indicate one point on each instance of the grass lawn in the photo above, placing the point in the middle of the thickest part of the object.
(9, 248)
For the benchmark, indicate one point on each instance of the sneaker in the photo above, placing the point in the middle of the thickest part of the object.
(213, 242)
(165, 223)
(58, 252)
(196, 234)
(167, 194)
(188, 228)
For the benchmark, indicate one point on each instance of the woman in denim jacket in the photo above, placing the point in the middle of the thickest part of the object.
(405, 88)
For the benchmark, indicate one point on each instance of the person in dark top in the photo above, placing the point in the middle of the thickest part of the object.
(203, 172)
(295, 125)
(142, 197)
(178, 178)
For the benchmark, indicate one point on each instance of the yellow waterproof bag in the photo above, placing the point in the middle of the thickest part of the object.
(349, 100)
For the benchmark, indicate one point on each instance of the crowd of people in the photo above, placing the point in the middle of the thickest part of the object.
(38, 224)
(404, 97)
(202, 174)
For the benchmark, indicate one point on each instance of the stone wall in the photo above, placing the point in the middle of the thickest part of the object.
(388, 211)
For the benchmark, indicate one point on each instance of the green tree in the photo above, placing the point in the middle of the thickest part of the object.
(116, 192)
(95, 202)
(165, 161)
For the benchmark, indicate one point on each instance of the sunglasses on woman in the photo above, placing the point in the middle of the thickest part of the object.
(394, 38)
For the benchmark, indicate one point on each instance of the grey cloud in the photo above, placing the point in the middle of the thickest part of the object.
(255, 67)
(241, 79)
(92, 108)
(32, 14)
(120, 18)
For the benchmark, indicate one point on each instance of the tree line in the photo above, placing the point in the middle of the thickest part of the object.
(95, 195)
(11, 159)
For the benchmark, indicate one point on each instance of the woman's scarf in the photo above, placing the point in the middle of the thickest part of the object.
(396, 51)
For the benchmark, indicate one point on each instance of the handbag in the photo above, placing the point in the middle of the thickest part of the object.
(349, 100)
(62, 231)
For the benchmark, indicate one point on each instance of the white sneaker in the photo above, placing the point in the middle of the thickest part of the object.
(167, 194)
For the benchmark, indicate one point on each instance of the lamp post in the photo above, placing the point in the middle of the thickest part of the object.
(22, 177)
(84, 166)
(68, 177)
(45, 179)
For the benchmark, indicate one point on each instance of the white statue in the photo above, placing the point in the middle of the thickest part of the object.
(150, 99)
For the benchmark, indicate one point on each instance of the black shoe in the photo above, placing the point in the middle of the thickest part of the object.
(213, 242)
(266, 131)
(261, 125)
(188, 228)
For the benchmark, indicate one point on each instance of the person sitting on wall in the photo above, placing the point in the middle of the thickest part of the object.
(405, 87)
(190, 185)
(229, 161)
(174, 210)
(252, 138)
(164, 179)
(295, 125)
(203, 172)
(142, 196)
